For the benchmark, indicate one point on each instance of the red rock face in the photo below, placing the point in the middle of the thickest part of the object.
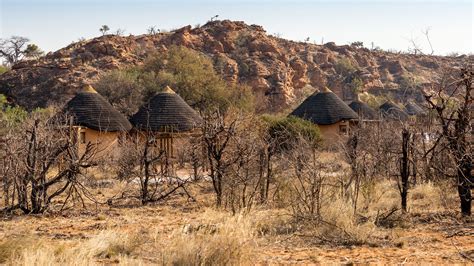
(276, 68)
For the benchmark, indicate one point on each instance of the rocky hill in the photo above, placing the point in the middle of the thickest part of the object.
(280, 70)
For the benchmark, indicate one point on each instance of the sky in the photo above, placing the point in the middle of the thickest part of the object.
(388, 24)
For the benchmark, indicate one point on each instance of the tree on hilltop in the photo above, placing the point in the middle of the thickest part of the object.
(104, 29)
(16, 48)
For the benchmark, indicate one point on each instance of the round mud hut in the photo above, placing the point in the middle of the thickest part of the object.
(329, 112)
(168, 118)
(391, 111)
(411, 108)
(95, 121)
(366, 114)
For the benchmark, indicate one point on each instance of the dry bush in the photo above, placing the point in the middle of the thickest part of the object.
(316, 187)
(235, 153)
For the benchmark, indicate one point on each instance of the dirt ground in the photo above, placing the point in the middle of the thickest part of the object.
(440, 237)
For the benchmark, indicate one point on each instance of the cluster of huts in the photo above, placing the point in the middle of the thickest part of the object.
(335, 118)
(170, 119)
(166, 116)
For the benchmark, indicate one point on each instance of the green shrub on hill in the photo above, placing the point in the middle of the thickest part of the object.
(10, 116)
(189, 73)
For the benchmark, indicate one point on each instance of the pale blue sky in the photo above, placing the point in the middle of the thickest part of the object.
(53, 24)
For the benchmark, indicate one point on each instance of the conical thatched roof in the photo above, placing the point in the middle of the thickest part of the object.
(90, 109)
(166, 112)
(412, 108)
(363, 110)
(392, 111)
(324, 108)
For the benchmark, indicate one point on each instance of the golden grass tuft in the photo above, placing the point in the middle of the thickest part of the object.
(341, 227)
(220, 239)
(104, 245)
(108, 244)
(13, 245)
(428, 196)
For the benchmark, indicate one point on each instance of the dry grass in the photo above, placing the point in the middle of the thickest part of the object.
(109, 244)
(217, 239)
(341, 227)
(105, 245)
(177, 232)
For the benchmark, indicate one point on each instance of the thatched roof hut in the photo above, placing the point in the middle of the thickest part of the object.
(89, 109)
(363, 110)
(166, 112)
(324, 108)
(412, 108)
(389, 110)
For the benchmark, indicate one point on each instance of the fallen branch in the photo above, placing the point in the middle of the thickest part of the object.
(462, 254)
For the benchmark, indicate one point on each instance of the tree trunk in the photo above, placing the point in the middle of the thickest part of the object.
(404, 168)
(269, 174)
(261, 175)
(464, 188)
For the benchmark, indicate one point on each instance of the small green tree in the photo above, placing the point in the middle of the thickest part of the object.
(104, 29)
(344, 67)
(357, 44)
(124, 89)
(10, 116)
(283, 132)
(356, 85)
(33, 51)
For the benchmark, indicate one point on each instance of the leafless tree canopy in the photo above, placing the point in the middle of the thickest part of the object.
(40, 162)
(452, 102)
(16, 48)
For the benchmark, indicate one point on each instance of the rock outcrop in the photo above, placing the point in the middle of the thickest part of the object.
(281, 70)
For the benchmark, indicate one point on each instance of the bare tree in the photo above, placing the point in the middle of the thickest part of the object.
(142, 161)
(246, 177)
(426, 32)
(16, 48)
(218, 130)
(119, 32)
(452, 101)
(40, 163)
(308, 181)
(153, 30)
(415, 47)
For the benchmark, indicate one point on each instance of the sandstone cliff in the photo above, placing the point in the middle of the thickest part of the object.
(279, 70)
